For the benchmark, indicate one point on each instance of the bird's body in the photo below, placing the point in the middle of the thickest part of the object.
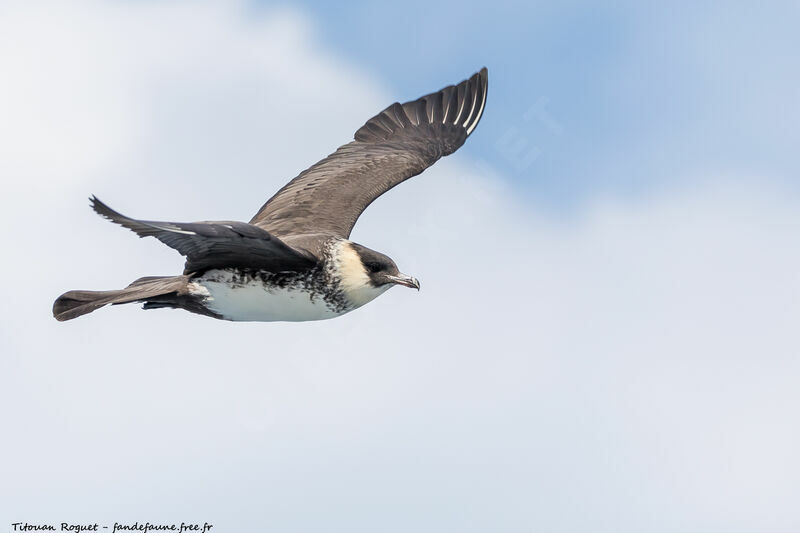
(294, 261)
(338, 285)
(258, 296)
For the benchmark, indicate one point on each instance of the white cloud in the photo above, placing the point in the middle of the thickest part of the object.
(632, 368)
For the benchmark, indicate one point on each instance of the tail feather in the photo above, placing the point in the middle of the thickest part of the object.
(73, 304)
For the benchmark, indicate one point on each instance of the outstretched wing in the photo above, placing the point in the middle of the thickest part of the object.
(208, 245)
(400, 142)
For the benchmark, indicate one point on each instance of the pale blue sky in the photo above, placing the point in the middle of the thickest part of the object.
(644, 92)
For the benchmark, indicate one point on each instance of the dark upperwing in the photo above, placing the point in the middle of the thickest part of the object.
(208, 245)
(398, 143)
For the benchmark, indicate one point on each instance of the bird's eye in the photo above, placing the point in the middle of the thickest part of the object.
(374, 267)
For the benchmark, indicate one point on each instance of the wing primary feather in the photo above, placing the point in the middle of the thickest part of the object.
(400, 116)
(436, 111)
(452, 102)
(172, 229)
(463, 90)
(479, 114)
(472, 97)
(422, 113)
(430, 106)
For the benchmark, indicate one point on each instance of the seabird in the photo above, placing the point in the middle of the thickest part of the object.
(294, 261)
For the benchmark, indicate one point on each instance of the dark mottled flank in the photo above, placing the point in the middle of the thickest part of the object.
(319, 282)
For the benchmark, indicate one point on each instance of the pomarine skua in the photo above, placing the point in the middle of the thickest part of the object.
(294, 261)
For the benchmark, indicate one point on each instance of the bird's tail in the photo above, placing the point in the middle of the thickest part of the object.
(73, 304)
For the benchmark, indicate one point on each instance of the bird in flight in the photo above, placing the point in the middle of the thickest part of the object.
(294, 261)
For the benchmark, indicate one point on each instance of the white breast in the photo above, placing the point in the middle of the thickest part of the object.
(253, 301)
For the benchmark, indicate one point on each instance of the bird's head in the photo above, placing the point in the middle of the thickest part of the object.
(381, 271)
(365, 274)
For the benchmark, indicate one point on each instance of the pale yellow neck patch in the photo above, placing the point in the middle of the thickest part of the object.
(353, 278)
